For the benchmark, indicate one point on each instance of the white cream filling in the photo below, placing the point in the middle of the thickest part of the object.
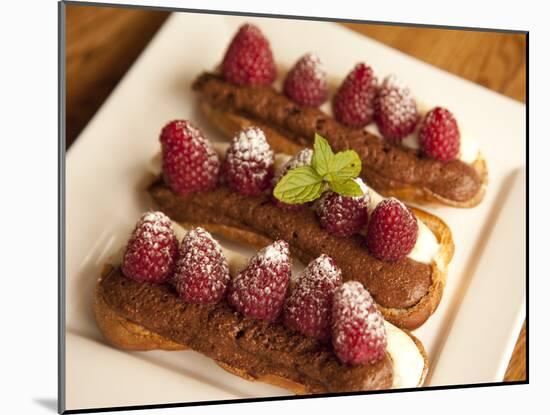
(426, 248)
(407, 361)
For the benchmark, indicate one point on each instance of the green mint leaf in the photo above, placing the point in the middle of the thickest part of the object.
(322, 155)
(299, 185)
(346, 188)
(345, 165)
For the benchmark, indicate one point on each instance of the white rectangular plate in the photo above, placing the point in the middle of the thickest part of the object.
(470, 337)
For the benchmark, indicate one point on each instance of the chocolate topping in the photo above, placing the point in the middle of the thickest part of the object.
(399, 284)
(256, 347)
(386, 166)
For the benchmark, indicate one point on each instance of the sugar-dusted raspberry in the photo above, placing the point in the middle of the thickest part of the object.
(353, 103)
(202, 273)
(392, 230)
(306, 82)
(248, 166)
(248, 59)
(152, 250)
(259, 290)
(189, 163)
(343, 215)
(395, 111)
(439, 135)
(358, 332)
(308, 309)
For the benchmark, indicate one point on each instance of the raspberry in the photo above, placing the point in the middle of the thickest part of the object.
(302, 158)
(259, 290)
(308, 309)
(248, 59)
(392, 230)
(306, 82)
(342, 215)
(152, 250)
(248, 166)
(202, 273)
(189, 163)
(353, 103)
(358, 332)
(439, 135)
(395, 110)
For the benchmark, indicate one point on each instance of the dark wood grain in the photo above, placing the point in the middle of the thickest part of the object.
(102, 43)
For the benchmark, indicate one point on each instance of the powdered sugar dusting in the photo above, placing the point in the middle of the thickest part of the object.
(323, 268)
(249, 162)
(359, 335)
(315, 65)
(396, 110)
(259, 290)
(202, 272)
(151, 252)
(393, 82)
(251, 144)
(309, 306)
(306, 82)
(277, 252)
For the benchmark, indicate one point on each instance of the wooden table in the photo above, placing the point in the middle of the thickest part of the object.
(103, 42)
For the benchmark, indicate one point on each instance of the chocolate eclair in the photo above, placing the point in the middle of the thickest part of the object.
(137, 311)
(391, 169)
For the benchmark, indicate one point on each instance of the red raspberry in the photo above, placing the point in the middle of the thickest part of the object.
(439, 135)
(259, 290)
(202, 273)
(395, 110)
(152, 250)
(308, 309)
(392, 230)
(248, 60)
(306, 82)
(302, 158)
(248, 163)
(189, 163)
(358, 332)
(353, 103)
(342, 215)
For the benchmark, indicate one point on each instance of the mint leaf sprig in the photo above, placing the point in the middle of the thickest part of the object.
(327, 171)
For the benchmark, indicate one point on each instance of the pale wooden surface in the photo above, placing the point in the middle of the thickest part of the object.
(103, 42)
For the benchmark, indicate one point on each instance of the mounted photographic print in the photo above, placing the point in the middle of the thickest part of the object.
(280, 207)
